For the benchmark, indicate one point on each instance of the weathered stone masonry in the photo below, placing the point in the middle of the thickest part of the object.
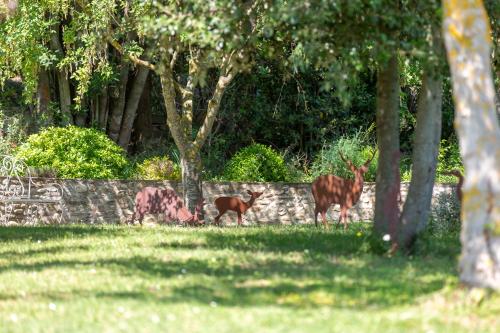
(112, 201)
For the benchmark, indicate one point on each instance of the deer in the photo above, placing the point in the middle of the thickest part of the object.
(153, 200)
(329, 190)
(235, 204)
(460, 177)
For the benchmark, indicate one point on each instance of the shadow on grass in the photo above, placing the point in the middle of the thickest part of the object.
(44, 233)
(328, 273)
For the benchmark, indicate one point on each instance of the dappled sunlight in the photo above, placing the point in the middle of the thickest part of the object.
(147, 274)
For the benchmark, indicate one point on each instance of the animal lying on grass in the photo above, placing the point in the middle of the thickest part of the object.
(153, 200)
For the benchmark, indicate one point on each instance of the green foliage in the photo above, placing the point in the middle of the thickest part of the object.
(157, 168)
(354, 148)
(75, 153)
(256, 163)
(449, 159)
(13, 131)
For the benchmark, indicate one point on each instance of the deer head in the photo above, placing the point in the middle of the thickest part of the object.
(362, 169)
(254, 195)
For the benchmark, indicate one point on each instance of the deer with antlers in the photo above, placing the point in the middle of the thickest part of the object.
(329, 190)
(223, 204)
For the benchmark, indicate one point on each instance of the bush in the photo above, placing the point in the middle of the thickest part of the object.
(158, 168)
(75, 152)
(354, 148)
(256, 163)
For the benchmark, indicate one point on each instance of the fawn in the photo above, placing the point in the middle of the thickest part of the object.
(235, 204)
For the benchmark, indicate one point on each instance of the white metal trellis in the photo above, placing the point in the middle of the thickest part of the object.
(24, 200)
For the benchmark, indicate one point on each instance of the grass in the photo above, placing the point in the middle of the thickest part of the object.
(255, 279)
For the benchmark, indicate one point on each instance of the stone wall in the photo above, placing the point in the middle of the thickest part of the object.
(104, 201)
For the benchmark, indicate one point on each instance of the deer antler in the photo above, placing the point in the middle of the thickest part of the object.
(371, 158)
(348, 162)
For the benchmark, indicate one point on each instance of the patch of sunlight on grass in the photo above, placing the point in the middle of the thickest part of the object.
(264, 279)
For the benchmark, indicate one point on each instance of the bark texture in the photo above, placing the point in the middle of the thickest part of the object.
(468, 44)
(386, 206)
(417, 206)
(131, 108)
(115, 119)
(63, 84)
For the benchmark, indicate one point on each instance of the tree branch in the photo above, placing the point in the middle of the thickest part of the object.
(137, 61)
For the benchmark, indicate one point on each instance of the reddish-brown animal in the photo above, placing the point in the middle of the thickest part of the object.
(152, 200)
(460, 177)
(235, 204)
(329, 190)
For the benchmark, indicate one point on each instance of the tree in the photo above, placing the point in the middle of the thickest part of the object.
(468, 44)
(184, 56)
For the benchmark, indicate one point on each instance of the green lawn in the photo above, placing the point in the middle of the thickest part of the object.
(253, 279)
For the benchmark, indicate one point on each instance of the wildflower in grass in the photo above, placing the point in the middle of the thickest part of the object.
(52, 306)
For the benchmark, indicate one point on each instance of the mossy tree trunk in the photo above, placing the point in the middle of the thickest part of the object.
(468, 44)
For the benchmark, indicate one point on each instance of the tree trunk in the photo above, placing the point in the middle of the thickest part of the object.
(131, 108)
(144, 120)
(425, 154)
(43, 100)
(191, 178)
(115, 120)
(82, 114)
(103, 107)
(62, 83)
(386, 206)
(468, 44)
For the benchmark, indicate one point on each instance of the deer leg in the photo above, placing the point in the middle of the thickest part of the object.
(323, 217)
(316, 216)
(239, 219)
(219, 216)
(343, 216)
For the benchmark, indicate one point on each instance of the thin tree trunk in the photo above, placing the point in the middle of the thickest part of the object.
(103, 108)
(82, 114)
(386, 206)
(468, 44)
(62, 83)
(131, 108)
(115, 119)
(425, 154)
(144, 120)
(191, 178)
(43, 100)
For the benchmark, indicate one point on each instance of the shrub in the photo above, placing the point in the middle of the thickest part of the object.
(328, 160)
(157, 168)
(256, 163)
(75, 152)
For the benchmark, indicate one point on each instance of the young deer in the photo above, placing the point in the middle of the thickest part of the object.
(235, 204)
(329, 190)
